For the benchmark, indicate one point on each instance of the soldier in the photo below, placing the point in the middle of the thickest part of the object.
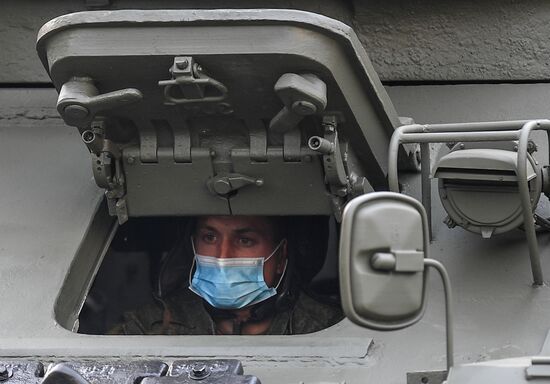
(242, 282)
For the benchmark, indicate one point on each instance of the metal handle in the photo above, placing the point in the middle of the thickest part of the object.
(202, 82)
(79, 100)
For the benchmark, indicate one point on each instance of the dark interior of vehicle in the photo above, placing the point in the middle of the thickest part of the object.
(151, 257)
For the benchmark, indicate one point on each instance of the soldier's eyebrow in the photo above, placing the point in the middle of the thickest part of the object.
(242, 231)
(208, 228)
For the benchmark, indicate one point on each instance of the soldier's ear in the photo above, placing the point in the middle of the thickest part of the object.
(283, 255)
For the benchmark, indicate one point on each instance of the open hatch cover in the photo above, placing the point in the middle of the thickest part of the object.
(271, 112)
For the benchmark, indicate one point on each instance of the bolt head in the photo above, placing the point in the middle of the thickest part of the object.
(131, 160)
(182, 64)
(88, 136)
(199, 370)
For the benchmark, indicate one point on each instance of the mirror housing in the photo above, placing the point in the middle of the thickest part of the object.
(383, 244)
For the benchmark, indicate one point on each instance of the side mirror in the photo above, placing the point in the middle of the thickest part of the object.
(383, 255)
(383, 242)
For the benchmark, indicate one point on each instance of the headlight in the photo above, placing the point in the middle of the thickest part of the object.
(479, 188)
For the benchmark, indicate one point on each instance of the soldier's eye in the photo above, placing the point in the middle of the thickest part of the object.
(209, 238)
(247, 242)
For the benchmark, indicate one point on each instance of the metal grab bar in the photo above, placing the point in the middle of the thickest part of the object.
(472, 132)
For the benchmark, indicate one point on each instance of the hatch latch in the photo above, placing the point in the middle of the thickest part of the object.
(223, 185)
(189, 84)
(79, 101)
(302, 95)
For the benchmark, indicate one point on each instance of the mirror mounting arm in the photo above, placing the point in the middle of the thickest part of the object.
(448, 307)
(390, 261)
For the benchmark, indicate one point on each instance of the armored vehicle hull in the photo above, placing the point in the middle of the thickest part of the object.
(57, 224)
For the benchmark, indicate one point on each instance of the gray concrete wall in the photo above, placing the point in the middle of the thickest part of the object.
(456, 40)
(418, 40)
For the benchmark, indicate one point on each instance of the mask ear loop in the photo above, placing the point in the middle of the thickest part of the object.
(286, 262)
(282, 275)
(193, 264)
(272, 253)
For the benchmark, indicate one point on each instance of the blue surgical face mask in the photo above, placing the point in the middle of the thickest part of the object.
(232, 283)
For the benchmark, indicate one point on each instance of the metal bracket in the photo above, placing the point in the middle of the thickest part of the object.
(189, 84)
(106, 167)
(336, 176)
(335, 172)
(103, 170)
(426, 377)
(115, 194)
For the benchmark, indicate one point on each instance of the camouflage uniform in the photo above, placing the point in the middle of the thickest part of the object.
(183, 313)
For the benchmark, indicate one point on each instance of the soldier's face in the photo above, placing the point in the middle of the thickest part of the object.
(241, 236)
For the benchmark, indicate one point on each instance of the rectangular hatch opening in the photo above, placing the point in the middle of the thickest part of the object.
(119, 270)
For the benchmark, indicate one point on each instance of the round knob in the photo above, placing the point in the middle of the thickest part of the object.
(222, 186)
(75, 112)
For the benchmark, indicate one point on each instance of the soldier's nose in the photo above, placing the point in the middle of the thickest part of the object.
(225, 250)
